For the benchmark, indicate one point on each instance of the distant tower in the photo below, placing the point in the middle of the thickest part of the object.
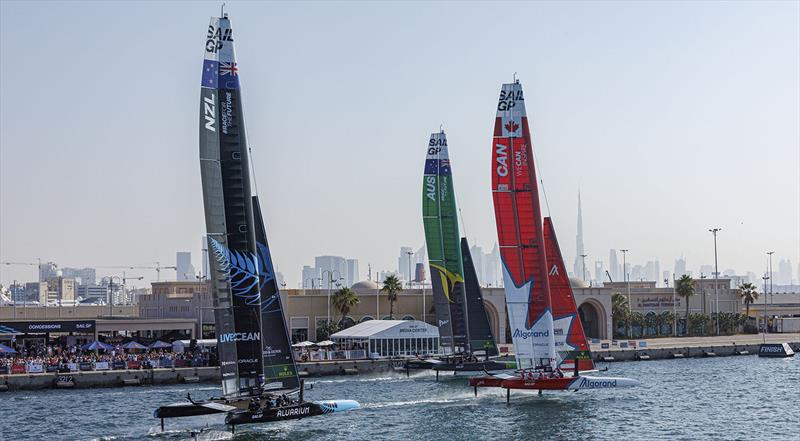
(577, 268)
(184, 267)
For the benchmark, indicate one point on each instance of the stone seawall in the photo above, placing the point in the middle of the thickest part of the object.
(120, 378)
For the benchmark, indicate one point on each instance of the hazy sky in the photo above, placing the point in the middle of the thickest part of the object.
(671, 117)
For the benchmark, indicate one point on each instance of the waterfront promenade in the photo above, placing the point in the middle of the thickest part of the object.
(686, 347)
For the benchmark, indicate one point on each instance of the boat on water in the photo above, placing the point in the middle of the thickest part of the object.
(550, 346)
(463, 324)
(259, 375)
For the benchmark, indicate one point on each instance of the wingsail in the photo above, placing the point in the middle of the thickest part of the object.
(225, 174)
(480, 331)
(440, 219)
(519, 231)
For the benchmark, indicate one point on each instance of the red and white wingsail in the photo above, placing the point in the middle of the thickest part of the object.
(519, 231)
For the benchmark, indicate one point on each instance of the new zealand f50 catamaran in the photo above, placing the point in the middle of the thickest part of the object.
(460, 313)
(546, 329)
(252, 341)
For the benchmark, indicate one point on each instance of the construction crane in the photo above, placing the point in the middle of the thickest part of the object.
(158, 268)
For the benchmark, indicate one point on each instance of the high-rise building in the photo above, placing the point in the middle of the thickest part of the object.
(680, 267)
(784, 276)
(477, 260)
(613, 266)
(310, 276)
(403, 263)
(47, 271)
(708, 271)
(419, 273)
(491, 268)
(83, 276)
(578, 266)
(352, 275)
(652, 271)
(185, 269)
(599, 273)
(331, 269)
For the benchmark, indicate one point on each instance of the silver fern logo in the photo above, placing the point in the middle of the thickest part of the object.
(243, 271)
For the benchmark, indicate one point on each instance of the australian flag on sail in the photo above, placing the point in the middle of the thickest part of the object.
(437, 166)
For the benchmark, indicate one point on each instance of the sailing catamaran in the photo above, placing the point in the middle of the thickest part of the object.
(259, 376)
(464, 329)
(547, 332)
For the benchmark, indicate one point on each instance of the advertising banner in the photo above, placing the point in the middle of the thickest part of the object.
(118, 365)
(35, 368)
(73, 367)
(134, 365)
(85, 366)
(45, 326)
(101, 366)
(18, 369)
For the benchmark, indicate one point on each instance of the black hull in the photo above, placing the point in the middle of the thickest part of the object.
(187, 410)
(473, 366)
(291, 412)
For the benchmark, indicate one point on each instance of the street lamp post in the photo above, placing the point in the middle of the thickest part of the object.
(583, 259)
(410, 277)
(675, 307)
(330, 283)
(628, 286)
(714, 231)
(769, 253)
(765, 278)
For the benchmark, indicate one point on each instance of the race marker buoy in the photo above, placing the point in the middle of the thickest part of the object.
(779, 350)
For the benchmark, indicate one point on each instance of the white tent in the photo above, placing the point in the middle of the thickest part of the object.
(391, 338)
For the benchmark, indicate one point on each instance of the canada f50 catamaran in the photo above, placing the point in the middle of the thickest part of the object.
(549, 343)
(259, 376)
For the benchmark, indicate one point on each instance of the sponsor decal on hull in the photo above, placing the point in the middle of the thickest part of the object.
(293, 412)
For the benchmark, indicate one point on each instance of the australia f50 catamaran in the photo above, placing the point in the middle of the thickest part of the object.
(259, 376)
(460, 313)
(549, 343)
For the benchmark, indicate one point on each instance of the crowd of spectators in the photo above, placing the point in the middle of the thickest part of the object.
(63, 356)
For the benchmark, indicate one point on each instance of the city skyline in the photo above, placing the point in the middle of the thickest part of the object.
(657, 150)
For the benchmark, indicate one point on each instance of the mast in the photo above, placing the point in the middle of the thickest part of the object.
(280, 371)
(224, 167)
(519, 230)
(440, 220)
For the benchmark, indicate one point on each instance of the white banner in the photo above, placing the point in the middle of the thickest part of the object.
(35, 368)
(73, 367)
(101, 366)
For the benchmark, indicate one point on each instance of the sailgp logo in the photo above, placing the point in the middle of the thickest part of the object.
(443, 322)
(210, 112)
(554, 270)
(239, 336)
(530, 334)
(596, 384)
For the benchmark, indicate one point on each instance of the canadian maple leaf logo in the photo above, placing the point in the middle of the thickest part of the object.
(512, 127)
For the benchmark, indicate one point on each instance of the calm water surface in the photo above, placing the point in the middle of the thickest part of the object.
(722, 398)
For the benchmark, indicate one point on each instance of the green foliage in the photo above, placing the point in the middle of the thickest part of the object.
(324, 330)
(684, 288)
(749, 295)
(619, 311)
(344, 300)
(699, 324)
(392, 286)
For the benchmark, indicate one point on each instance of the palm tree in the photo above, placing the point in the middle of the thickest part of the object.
(667, 318)
(344, 300)
(749, 295)
(619, 310)
(391, 286)
(684, 287)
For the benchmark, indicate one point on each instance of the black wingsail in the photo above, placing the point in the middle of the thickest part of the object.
(280, 371)
(480, 332)
(228, 207)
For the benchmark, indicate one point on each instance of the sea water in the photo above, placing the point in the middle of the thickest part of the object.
(743, 397)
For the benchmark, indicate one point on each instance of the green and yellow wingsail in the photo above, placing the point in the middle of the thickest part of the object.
(440, 217)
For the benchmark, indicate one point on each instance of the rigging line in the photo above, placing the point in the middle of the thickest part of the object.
(541, 181)
(253, 170)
